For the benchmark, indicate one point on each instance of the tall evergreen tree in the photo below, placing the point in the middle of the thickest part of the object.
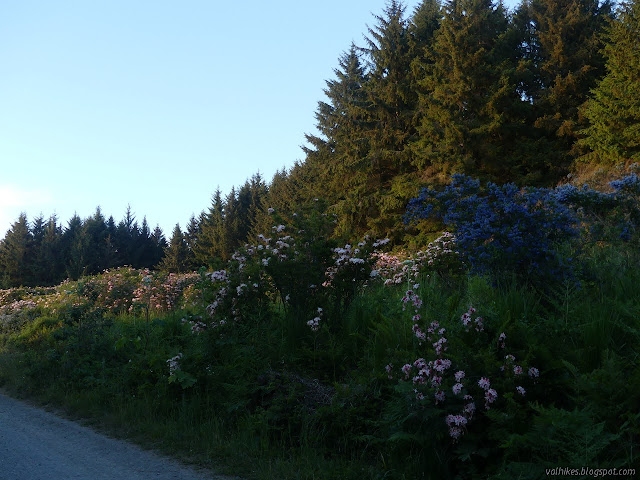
(98, 251)
(423, 25)
(191, 236)
(231, 225)
(126, 239)
(176, 253)
(34, 261)
(75, 244)
(392, 100)
(159, 243)
(613, 111)
(392, 108)
(469, 92)
(14, 253)
(209, 249)
(49, 261)
(337, 163)
(566, 44)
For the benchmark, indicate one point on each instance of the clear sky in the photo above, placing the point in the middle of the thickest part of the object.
(156, 103)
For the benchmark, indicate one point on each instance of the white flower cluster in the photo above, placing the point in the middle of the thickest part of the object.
(314, 323)
(174, 363)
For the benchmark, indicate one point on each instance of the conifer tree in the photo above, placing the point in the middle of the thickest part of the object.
(146, 253)
(469, 91)
(209, 249)
(34, 265)
(392, 100)
(231, 225)
(567, 60)
(75, 246)
(98, 252)
(191, 236)
(49, 261)
(423, 25)
(176, 253)
(339, 154)
(613, 111)
(14, 252)
(159, 243)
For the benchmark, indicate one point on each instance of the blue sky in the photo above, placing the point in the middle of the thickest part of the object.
(155, 104)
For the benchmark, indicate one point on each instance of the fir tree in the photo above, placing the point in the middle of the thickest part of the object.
(98, 252)
(191, 236)
(392, 100)
(49, 261)
(338, 156)
(159, 243)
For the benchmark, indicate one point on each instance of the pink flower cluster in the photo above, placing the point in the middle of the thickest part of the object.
(413, 298)
(468, 322)
(347, 257)
(395, 269)
(437, 373)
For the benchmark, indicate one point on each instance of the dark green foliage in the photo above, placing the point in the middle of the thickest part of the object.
(45, 253)
(13, 253)
(613, 110)
(471, 110)
(565, 56)
(176, 254)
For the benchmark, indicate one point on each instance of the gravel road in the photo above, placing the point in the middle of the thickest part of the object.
(38, 445)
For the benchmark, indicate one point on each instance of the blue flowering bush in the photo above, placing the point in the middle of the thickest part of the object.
(502, 229)
(605, 216)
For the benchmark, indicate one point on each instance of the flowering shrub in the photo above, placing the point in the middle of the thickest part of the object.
(177, 374)
(456, 385)
(606, 215)
(441, 256)
(501, 228)
(296, 265)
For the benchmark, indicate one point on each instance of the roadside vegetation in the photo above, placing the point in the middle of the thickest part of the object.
(309, 358)
(446, 286)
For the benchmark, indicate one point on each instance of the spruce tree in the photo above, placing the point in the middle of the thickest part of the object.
(392, 106)
(469, 92)
(50, 264)
(567, 60)
(337, 159)
(191, 236)
(159, 243)
(176, 253)
(98, 252)
(75, 245)
(209, 249)
(613, 111)
(14, 253)
(36, 267)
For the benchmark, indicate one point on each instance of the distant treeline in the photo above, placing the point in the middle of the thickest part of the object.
(43, 252)
(464, 86)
